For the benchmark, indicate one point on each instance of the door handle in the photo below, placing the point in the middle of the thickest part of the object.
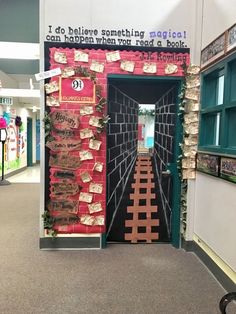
(166, 172)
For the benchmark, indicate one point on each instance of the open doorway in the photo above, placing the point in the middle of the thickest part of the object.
(146, 128)
(142, 179)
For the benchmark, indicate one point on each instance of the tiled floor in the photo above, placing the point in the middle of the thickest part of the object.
(30, 175)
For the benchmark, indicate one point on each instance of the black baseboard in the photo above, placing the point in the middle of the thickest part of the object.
(224, 280)
(70, 243)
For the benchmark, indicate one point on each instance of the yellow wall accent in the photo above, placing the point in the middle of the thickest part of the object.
(224, 267)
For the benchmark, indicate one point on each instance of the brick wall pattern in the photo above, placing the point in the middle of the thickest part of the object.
(164, 148)
(122, 137)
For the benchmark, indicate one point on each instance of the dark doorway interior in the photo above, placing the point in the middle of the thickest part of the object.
(128, 169)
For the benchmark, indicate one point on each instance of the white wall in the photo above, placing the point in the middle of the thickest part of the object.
(148, 16)
(214, 219)
(215, 216)
(218, 16)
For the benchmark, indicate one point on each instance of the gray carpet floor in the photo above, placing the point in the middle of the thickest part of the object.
(123, 278)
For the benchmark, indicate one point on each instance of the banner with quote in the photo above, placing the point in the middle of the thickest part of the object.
(127, 23)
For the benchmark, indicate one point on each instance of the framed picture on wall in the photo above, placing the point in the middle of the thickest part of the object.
(213, 51)
(208, 164)
(228, 169)
(231, 38)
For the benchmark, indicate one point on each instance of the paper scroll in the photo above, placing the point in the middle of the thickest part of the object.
(81, 56)
(51, 87)
(60, 57)
(127, 66)
(95, 188)
(86, 110)
(171, 68)
(113, 56)
(85, 177)
(98, 166)
(149, 67)
(85, 197)
(94, 144)
(86, 133)
(97, 67)
(85, 155)
(52, 101)
(95, 207)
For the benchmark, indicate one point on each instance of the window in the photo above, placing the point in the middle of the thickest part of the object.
(218, 108)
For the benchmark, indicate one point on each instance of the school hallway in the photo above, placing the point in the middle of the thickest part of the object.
(123, 278)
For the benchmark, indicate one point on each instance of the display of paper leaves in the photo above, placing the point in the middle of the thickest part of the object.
(113, 56)
(52, 101)
(127, 65)
(171, 68)
(95, 207)
(86, 110)
(67, 72)
(94, 144)
(98, 166)
(85, 177)
(51, 87)
(85, 197)
(97, 67)
(85, 155)
(60, 57)
(86, 133)
(149, 67)
(95, 188)
(81, 56)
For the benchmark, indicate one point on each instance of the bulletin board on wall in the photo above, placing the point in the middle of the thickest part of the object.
(75, 126)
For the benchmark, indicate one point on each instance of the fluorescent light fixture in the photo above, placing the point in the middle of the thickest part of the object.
(14, 50)
(11, 92)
